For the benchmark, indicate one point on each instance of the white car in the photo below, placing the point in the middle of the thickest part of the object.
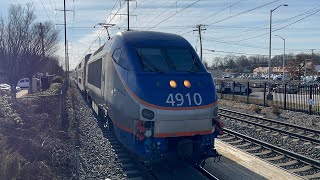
(280, 77)
(23, 83)
(7, 87)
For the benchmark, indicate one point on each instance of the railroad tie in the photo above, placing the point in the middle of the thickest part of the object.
(274, 158)
(313, 176)
(243, 145)
(237, 141)
(228, 138)
(262, 153)
(288, 163)
(253, 148)
(304, 168)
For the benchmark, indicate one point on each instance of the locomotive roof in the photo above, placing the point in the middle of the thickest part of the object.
(147, 37)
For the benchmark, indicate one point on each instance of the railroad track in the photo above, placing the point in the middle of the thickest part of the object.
(300, 165)
(284, 129)
(174, 168)
(134, 169)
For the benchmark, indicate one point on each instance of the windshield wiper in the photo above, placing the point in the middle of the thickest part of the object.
(148, 63)
(194, 65)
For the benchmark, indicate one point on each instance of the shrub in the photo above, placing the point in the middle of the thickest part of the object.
(255, 108)
(276, 110)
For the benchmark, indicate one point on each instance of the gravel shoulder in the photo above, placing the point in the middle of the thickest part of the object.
(311, 121)
(97, 157)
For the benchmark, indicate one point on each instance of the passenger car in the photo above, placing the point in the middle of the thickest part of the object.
(23, 83)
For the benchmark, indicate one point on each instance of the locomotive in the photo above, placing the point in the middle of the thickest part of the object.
(155, 95)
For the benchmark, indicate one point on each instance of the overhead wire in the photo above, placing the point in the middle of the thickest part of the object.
(277, 29)
(235, 35)
(214, 14)
(160, 14)
(45, 10)
(238, 14)
(156, 9)
(243, 12)
(174, 14)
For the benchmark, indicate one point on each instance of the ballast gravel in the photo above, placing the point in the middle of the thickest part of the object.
(96, 156)
(310, 150)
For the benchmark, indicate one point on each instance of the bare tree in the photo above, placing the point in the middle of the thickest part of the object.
(24, 43)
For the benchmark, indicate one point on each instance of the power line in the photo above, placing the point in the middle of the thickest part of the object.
(230, 52)
(137, 6)
(267, 26)
(255, 8)
(160, 14)
(45, 10)
(215, 13)
(247, 45)
(278, 28)
(241, 13)
(157, 8)
(174, 14)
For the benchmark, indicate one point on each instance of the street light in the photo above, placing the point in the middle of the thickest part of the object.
(284, 54)
(269, 96)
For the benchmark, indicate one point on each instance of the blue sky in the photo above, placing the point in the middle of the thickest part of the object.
(239, 26)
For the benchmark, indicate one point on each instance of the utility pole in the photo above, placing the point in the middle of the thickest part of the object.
(199, 29)
(41, 36)
(65, 38)
(128, 13)
(66, 61)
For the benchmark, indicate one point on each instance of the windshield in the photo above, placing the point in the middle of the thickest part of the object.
(162, 59)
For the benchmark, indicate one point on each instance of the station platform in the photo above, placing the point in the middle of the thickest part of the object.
(237, 164)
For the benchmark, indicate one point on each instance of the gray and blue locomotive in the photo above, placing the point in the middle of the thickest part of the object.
(155, 93)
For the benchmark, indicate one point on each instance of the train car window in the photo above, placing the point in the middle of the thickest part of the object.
(94, 73)
(167, 60)
(116, 55)
(182, 59)
(153, 60)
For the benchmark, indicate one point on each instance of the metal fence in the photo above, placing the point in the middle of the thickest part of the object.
(290, 95)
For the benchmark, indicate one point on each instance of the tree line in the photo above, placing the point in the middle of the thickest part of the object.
(246, 64)
(26, 45)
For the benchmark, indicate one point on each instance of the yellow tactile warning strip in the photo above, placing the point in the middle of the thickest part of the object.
(253, 163)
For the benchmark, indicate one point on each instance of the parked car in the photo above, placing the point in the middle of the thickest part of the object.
(7, 88)
(23, 83)
(290, 89)
(280, 78)
(227, 88)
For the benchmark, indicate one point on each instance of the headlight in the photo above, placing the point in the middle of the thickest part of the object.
(146, 113)
(148, 133)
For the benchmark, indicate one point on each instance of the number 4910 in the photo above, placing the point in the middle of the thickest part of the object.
(179, 99)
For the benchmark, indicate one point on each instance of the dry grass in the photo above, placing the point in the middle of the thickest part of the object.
(32, 144)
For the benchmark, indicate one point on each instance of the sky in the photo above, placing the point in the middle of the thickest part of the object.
(239, 27)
